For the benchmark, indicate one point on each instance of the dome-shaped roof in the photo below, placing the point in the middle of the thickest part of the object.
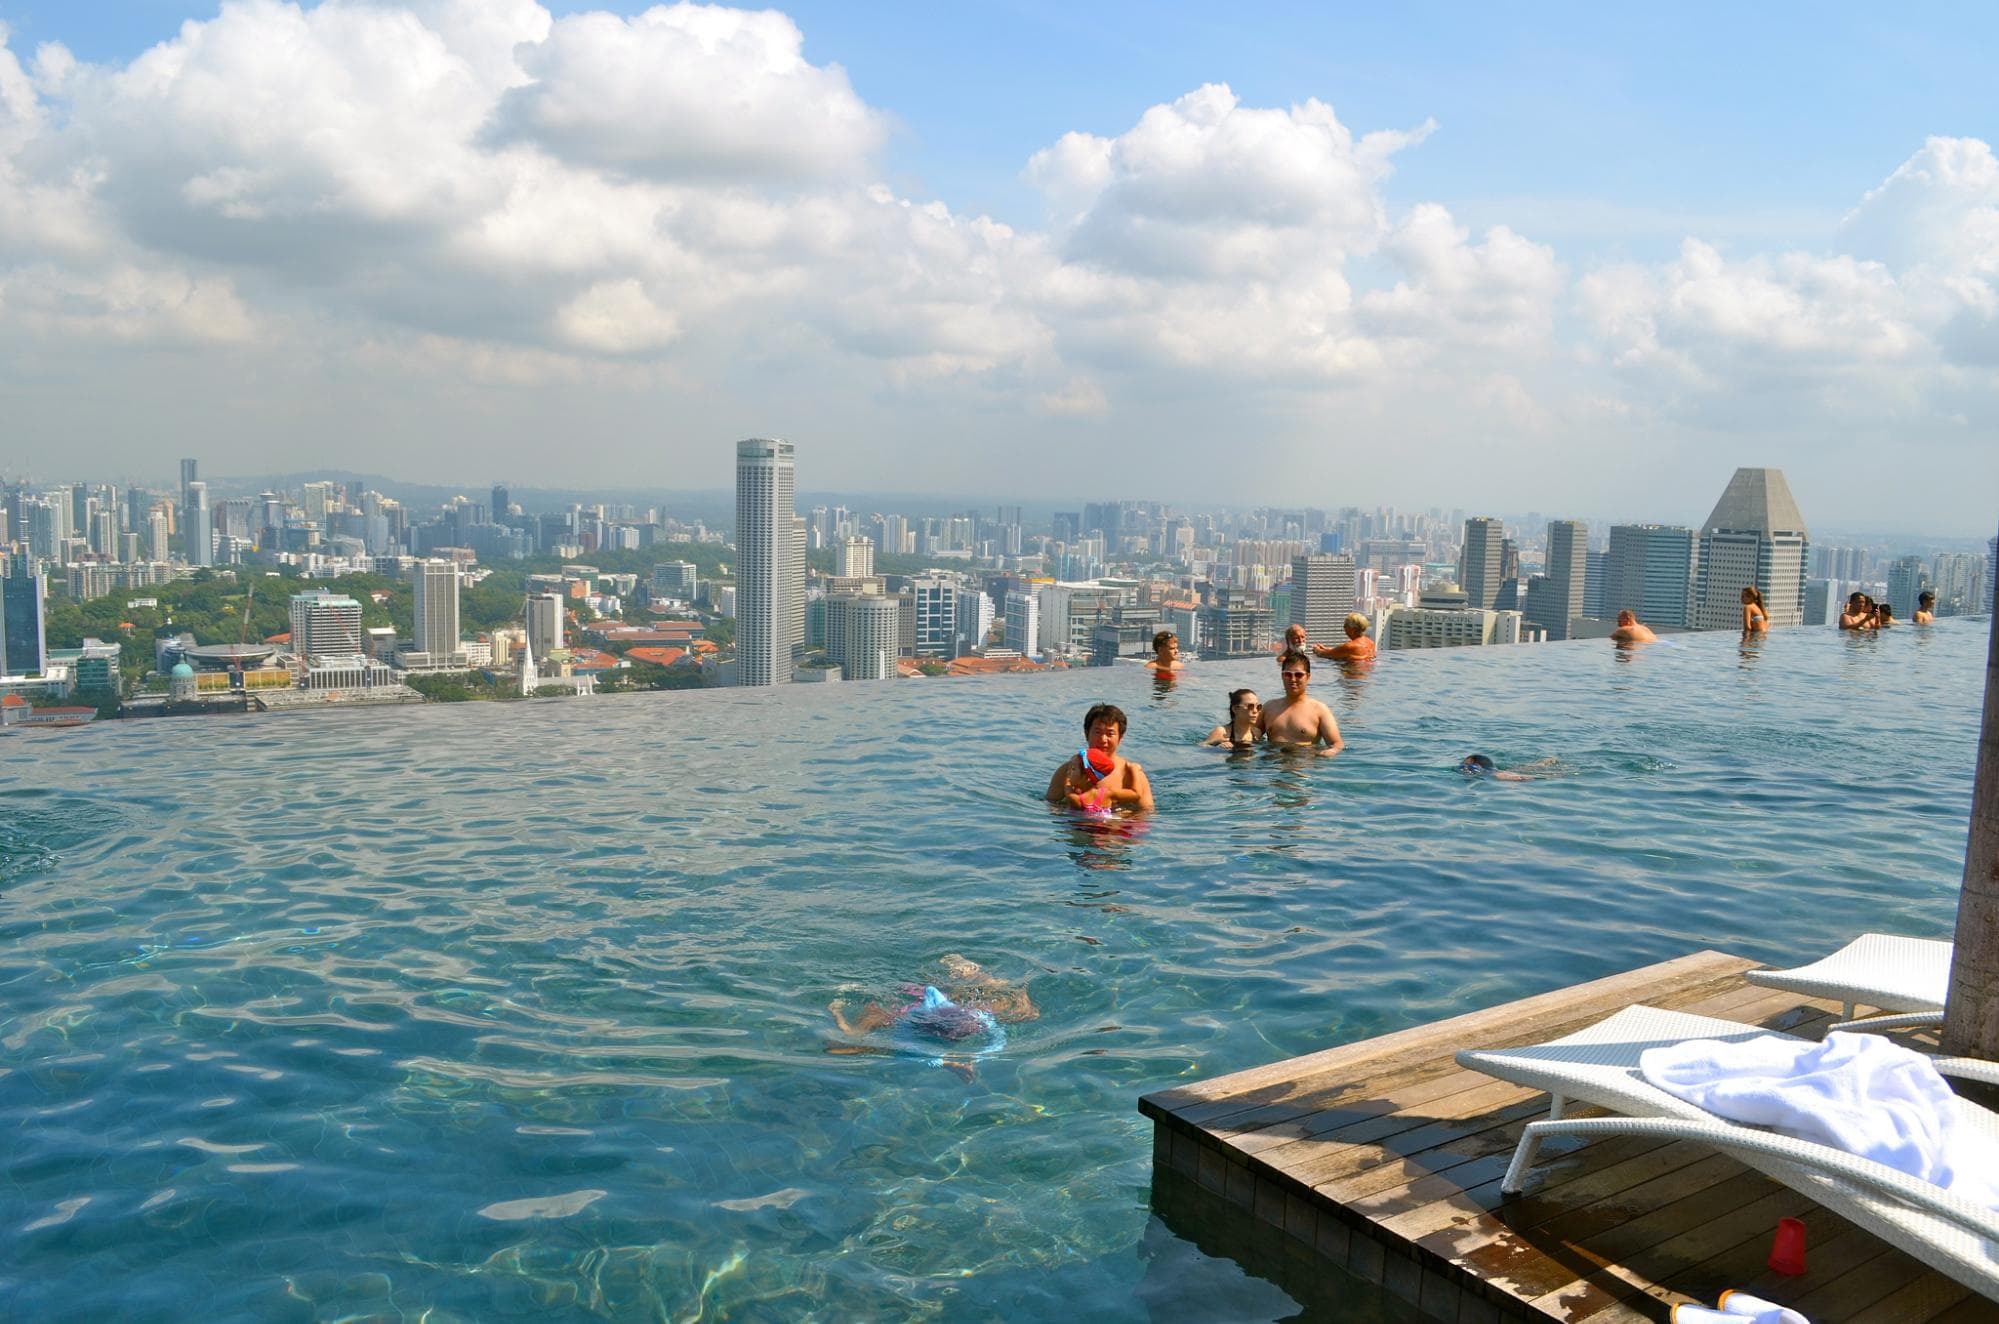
(181, 671)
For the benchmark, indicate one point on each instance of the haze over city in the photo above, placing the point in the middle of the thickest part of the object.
(1569, 263)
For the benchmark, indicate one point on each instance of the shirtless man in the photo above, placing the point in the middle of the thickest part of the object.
(1926, 608)
(1357, 648)
(1166, 653)
(1097, 778)
(1297, 719)
(1629, 631)
(1294, 638)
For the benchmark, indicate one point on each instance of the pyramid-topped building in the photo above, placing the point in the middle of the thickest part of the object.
(1755, 537)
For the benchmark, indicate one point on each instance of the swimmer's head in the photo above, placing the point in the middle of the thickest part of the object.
(1475, 765)
(1244, 703)
(1294, 636)
(1925, 601)
(1105, 712)
(1356, 625)
(1627, 617)
(1752, 597)
(1855, 600)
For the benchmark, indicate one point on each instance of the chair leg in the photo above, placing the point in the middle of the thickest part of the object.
(1523, 1153)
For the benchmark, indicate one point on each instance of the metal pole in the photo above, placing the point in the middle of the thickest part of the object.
(1971, 1014)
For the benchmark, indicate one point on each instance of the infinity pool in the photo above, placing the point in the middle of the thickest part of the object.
(493, 1011)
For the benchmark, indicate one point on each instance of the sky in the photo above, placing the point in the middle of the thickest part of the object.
(1562, 257)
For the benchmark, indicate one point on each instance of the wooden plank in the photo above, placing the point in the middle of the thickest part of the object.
(1391, 1135)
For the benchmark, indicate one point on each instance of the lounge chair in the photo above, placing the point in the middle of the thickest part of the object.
(1906, 977)
(1599, 1066)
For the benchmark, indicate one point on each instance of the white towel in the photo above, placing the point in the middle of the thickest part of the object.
(1856, 1092)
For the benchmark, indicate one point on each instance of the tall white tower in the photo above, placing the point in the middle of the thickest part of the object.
(765, 548)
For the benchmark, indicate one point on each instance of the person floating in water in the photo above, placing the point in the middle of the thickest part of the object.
(1481, 765)
(1926, 608)
(1298, 719)
(1755, 620)
(1098, 779)
(953, 1027)
(1357, 648)
(1242, 729)
(1629, 631)
(1166, 655)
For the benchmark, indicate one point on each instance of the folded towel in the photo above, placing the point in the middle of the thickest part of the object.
(1856, 1092)
(1738, 1308)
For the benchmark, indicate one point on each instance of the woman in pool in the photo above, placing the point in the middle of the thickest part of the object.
(1242, 729)
(1755, 620)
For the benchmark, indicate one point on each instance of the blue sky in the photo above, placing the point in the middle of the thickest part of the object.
(1620, 123)
(1620, 263)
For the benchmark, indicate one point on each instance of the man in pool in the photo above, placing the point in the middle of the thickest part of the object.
(1294, 638)
(1926, 608)
(1298, 719)
(1166, 653)
(1098, 778)
(1357, 648)
(1629, 631)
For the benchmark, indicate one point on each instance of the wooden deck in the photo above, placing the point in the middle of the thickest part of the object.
(1382, 1160)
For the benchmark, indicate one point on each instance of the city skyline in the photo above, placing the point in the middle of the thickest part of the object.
(1339, 269)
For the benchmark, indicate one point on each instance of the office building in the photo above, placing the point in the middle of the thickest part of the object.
(434, 607)
(854, 558)
(196, 529)
(544, 623)
(863, 634)
(503, 502)
(1023, 624)
(795, 590)
(1958, 579)
(1443, 618)
(765, 545)
(1481, 562)
(975, 622)
(1819, 600)
(325, 624)
(1650, 570)
(1908, 576)
(1323, 592)
(1567, 575)
(676, 580)
(934, 617)
(1754, 536)
(23, 642)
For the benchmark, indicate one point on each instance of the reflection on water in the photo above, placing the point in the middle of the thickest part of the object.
(484, 1011)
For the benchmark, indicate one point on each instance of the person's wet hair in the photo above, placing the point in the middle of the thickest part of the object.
(1476, 763)
(1297, 655)
(1235, 699)
(1108, 712)
(1161, 639)
(1926, 600)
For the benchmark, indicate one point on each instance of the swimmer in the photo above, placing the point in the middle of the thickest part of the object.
(973, 1006)
(1098, 779)
(1884, 616)
(1926, 608)
(1859, 613)
(1298, 719)
(1481, 765)
(1241, 730)
(1294, 638)
(1166, 654)
(1357, 648)
(1629, 631)
(1755, 620)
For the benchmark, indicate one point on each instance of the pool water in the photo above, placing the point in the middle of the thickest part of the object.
(489, 1011)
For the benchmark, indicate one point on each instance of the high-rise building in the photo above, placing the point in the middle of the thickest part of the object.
(544, 623)
(863, 632)
(934, 608)
(23, 643)
(195, 526)
(502, 502)
(975, 623)
(1481, 563)
(675, 579)
(1650, 570)
(1907, 577)
(156, 535)
(854, 558)
(794, 589)
(1959, 581)
(765, 546)
(435, 607)
(1323, 592)
(1567, 574)
(1755, 536)
(325, 624)
(1023, 624)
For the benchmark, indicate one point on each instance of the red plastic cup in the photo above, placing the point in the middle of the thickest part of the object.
(1787, 1250)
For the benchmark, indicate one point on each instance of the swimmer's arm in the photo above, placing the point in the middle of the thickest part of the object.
(1218, 736)
(1141, 788)
(1327, 651)
(1329, 731)
(1058, 785)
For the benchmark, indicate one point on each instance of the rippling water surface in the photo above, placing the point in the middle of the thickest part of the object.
(501, 1010)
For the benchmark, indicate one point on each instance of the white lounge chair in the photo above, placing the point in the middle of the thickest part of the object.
(1906, 977)
(1599, 1066)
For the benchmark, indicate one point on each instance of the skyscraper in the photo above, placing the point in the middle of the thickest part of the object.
(1567, 574)
(794, 599)
(502, 499)
(862, 634)
(325, 624)
(934, 605)
(1322, 593)
(854, 558)
(23, 645)
(765, 546)
(1754, 537)
(1481, 562)
(544, 623)
(435, 607)
(1650, 570)
(1907, 577)
(195, 527)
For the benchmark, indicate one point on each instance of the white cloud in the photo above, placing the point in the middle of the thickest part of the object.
(681, 203)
